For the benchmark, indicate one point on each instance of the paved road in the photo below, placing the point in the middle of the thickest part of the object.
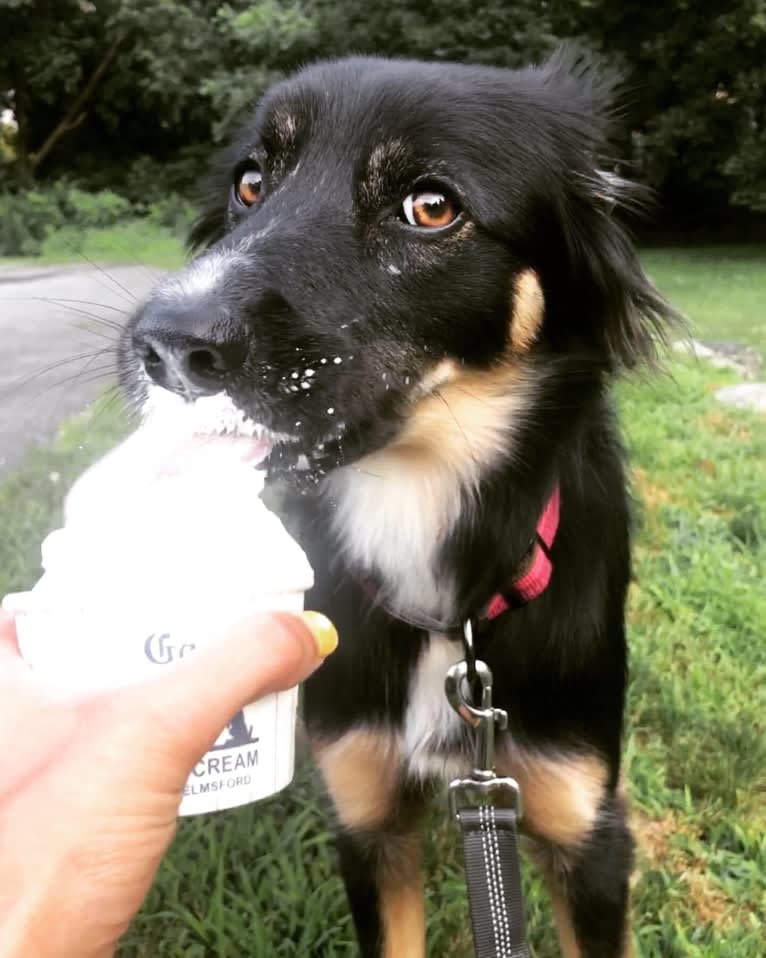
(41, 380)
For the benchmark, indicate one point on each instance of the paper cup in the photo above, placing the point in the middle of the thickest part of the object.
(101, 647)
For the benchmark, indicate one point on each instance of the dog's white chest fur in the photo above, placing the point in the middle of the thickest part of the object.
(387, 527)
(431, 724)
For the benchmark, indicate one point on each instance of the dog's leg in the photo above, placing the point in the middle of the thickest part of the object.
(587, 850)
(378, 841)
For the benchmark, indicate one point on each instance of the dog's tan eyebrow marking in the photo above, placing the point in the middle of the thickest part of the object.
(384, 165)
(283, 125)
(384, 154)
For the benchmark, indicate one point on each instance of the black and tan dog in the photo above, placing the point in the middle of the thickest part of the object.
(414, 278)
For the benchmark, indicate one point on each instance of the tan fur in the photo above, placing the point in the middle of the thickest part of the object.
(395, 506)
(561, 793)
(566, 933)
(402, 902)
(461, 422)
(528, 308)
(554, 864)
(362, 771)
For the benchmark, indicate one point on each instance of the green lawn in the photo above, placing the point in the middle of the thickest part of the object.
(131, 241)
(720, 288)
(261, 881)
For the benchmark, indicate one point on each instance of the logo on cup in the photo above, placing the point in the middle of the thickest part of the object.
(236, 733)
(159, 649)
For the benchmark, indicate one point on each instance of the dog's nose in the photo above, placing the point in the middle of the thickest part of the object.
(183, 350)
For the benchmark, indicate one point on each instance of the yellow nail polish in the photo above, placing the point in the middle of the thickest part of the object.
(324, 632)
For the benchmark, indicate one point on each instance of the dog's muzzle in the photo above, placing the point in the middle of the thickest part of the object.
(188, 348)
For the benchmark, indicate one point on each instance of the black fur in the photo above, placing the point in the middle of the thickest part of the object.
(327, 268)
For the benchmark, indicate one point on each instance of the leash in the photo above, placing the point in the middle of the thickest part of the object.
(488, 810)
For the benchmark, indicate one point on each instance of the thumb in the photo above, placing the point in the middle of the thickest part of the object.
(259, 655)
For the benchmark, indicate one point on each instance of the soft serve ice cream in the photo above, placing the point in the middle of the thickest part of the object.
(165, 545)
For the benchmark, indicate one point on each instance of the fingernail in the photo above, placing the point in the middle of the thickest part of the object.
(324, 632)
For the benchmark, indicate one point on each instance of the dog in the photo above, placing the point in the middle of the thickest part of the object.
(412, 280)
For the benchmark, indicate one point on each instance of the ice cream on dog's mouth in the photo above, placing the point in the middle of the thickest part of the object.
(210, 421)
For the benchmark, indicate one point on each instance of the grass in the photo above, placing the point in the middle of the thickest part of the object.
(262, 880)
(734, 309)
(131, 241)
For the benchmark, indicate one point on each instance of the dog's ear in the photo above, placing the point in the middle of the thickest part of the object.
(619, 310)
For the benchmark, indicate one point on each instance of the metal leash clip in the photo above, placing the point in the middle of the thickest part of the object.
(483, 787)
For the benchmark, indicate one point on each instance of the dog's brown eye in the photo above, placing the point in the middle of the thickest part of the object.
(430, 208)
(249, 186)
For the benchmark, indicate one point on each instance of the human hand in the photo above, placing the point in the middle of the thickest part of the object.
(89, 791)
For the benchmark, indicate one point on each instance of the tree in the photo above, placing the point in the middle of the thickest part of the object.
(114, 93)
(483, 31)
(697, 80)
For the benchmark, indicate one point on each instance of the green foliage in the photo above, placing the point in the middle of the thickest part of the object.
(264, 40)
(57, 220)
(697, 88)
(487, 31)
(262, 880)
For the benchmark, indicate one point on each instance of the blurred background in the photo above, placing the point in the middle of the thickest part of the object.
(124, 98)
(108, 113)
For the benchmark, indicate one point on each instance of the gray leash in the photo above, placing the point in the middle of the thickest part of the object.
(488, 810)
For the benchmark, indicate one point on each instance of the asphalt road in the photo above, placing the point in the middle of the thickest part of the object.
(48, 369)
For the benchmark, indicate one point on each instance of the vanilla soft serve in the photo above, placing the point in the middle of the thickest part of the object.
(165, 547)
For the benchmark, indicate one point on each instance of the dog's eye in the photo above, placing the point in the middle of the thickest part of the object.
(248, 188)
(430, 208)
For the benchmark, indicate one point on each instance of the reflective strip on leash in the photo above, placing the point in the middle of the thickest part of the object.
(493, 877)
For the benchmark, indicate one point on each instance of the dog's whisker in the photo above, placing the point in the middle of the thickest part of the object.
(98, 374)
(153, 276)
(85, 328)
(81, 377)
(26, 380)
(98, 320)
(131, 297)
(367, 472)
(84, 302)
(467, 392)
(55, 300)
(471, 452)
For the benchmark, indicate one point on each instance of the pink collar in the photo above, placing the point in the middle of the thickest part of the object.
(534, 581)
(529, 585)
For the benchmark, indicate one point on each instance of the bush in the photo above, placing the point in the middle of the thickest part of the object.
(26, 218)
(62, 215)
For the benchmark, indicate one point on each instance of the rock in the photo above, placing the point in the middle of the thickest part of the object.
(744, 360)
(744, 396)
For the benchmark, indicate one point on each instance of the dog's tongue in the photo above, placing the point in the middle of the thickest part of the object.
(201, 450)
